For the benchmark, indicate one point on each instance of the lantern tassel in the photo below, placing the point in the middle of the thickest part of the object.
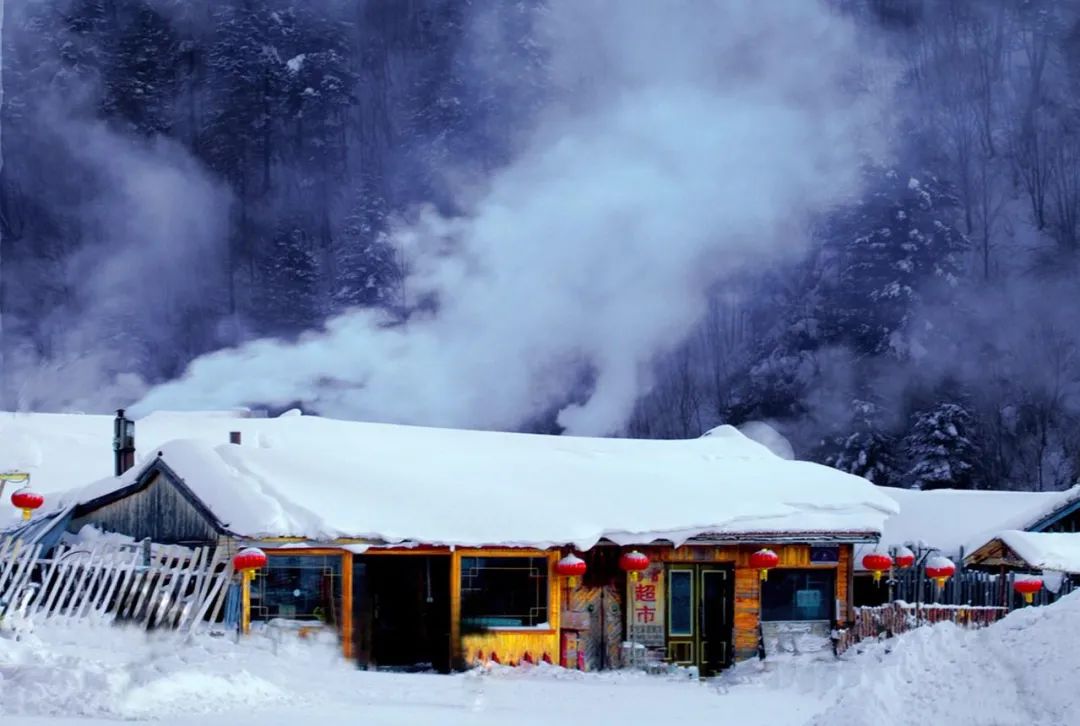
(26, 514)
(1029, 597)
(764, 574)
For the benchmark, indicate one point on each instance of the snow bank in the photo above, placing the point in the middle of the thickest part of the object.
(1059, 551)
(94, 671)
(1018, 671)
(320, 479)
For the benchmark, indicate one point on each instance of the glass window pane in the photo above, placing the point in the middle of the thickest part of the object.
(681, 594)
(298, 588)
(798, 595)
(508, 592)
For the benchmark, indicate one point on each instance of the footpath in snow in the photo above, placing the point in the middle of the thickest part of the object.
(1021, 670)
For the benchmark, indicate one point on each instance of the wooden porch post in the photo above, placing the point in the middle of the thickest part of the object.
(456, 659)
(347, 640)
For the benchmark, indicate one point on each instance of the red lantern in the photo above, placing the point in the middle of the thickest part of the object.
(940, 569)
(877, 563)
(572, 567)
(905, 558)
(27, 501)
(1027, 587)
(764, 560)
(634, 563)
(249, 559)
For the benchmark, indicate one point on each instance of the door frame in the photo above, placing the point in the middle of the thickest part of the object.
(689, 649)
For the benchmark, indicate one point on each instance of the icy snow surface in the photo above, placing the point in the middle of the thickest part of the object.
(1014, 673)
(322, 478)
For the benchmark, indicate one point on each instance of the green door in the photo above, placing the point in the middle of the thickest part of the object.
(699, 616)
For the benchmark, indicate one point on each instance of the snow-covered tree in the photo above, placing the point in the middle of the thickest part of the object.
(866, 448)
(940, 450)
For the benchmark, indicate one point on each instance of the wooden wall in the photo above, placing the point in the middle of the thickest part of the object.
(507, 646)
(748, 581)
(159, 511)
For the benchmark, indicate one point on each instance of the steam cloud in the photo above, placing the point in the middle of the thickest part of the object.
(692, 142)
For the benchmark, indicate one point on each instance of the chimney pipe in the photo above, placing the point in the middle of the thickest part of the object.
(123, 443)
(234, 437)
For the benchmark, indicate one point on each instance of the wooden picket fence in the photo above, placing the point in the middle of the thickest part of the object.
(153, 586)
(884, 621)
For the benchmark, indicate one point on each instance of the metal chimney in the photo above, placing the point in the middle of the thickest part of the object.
(234, 437)
(123, 442)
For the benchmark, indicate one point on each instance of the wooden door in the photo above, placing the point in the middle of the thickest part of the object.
(700, 605)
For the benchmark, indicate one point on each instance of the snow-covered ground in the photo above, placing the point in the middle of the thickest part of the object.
(1019, 671)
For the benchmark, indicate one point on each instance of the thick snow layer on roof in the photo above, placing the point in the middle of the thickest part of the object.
(321, 478)
(1058, 551)
(951, 519)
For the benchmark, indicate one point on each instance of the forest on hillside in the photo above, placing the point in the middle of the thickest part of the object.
(927, 337)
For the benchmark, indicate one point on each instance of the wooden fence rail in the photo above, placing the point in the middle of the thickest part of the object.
(153, 586)
(885, 621)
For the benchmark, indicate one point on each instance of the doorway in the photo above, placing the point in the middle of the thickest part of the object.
(700, 611)
(402, 613)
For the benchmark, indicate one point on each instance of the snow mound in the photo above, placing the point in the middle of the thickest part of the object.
(1017, 671)
(120, 673)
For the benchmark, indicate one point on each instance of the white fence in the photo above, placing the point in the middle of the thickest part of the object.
(153, 586)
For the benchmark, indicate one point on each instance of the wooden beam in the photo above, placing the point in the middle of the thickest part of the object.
(456, 658)
(347, 640)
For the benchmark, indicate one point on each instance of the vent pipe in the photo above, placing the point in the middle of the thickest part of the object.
(123, 443)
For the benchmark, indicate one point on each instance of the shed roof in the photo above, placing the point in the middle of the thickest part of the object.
(1058, 551)
(324, 479)
(952, 520)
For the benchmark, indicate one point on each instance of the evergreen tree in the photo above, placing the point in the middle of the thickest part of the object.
(286, 299)
(939, 448)
(891, 250)
(866, 448)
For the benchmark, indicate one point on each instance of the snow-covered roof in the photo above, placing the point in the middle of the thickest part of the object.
(322, 479)
(1058, 551)
(951, 519)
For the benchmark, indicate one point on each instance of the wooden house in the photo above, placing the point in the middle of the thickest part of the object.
(435, 548)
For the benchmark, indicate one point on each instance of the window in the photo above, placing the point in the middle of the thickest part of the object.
(306, 587)
(798, 595)
(504, 592)
(681, 595)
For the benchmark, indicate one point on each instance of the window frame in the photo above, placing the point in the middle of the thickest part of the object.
(551, 601)
(828, 604)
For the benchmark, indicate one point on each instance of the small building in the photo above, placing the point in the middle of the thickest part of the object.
(955, 523)
(436, 548)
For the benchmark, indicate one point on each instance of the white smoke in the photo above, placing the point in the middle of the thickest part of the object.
(694, 141)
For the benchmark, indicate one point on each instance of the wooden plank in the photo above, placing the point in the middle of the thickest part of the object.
(74, 576)
(122, 574)
(87, 574)
(202, 593)
(187, 578)
(20, 576)
(63, 575)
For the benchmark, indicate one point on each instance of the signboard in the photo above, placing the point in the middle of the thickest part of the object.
(824, 554)
(18, 478)
(645, 607)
